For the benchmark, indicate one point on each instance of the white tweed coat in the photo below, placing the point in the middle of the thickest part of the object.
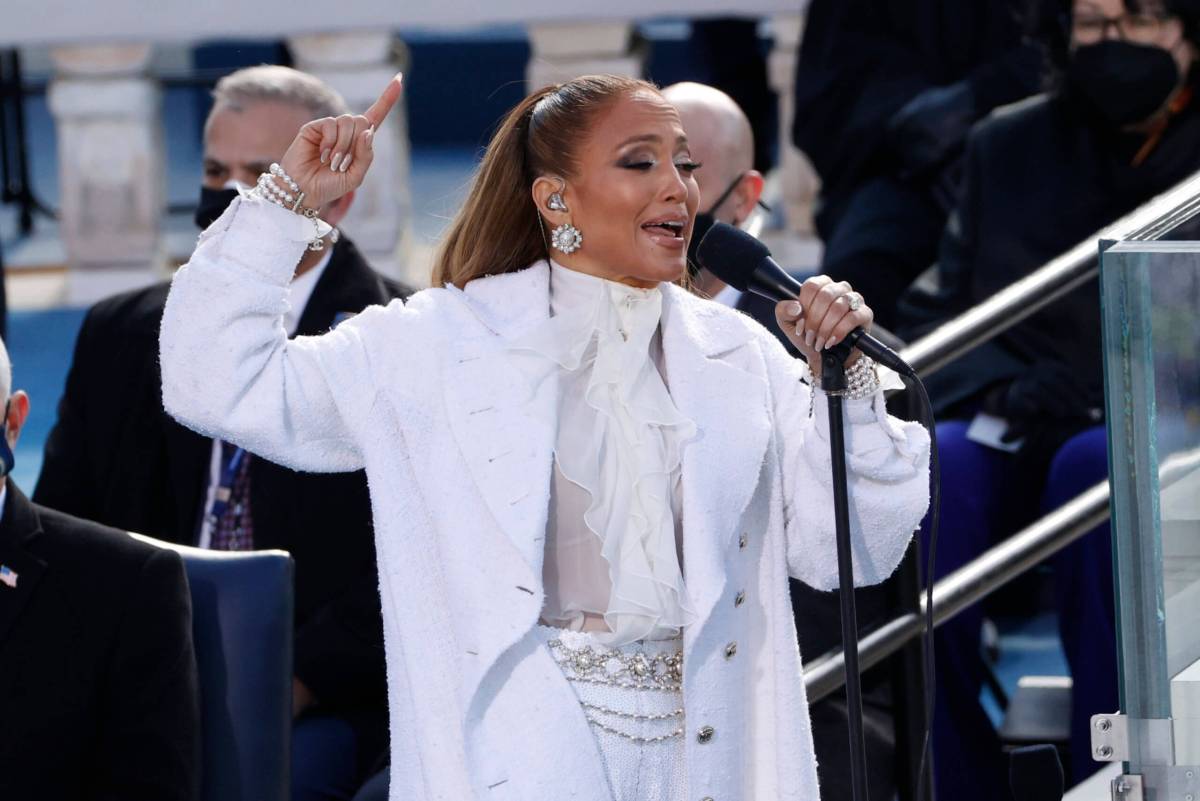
(457, 446)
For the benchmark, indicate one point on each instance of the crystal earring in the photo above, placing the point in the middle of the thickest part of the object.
(555, 203)
(566, 238)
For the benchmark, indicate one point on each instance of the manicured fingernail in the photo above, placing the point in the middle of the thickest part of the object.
(325, 155)
(800, 328)
(333, 165)
(793, 309)
(820, 344)
(832, 341)
(369, 136)
(346, 163)
(808, 338)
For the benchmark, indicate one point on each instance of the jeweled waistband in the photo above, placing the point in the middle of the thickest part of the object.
(656, 665)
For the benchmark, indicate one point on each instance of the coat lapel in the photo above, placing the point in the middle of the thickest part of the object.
(707, 352)
(18, 529)
(188, 457)
(503, 408)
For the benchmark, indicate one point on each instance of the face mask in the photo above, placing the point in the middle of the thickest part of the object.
(1124, 83)
(213, 203)
(704, 221)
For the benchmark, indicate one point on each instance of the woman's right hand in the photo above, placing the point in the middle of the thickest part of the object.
(330, 156)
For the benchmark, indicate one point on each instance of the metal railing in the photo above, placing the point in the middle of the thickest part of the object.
(967, 585)
(1049, 535)
(1049, 283)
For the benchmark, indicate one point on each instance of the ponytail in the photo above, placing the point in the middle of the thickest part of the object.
(498, 229)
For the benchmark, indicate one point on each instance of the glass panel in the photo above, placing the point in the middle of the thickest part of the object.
(1151, 297)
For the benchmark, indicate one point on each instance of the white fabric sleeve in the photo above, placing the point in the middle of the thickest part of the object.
(228, 368)
(887, 467)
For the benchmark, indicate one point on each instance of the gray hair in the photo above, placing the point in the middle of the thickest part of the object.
(271, 83)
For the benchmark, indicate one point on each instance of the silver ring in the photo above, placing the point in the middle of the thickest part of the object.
(855, 300)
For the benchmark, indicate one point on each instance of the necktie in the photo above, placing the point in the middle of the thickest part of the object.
(234, 527)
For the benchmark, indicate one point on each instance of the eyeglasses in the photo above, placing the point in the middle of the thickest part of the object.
(1139, 28)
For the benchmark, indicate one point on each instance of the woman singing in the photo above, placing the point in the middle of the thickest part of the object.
(589, 486)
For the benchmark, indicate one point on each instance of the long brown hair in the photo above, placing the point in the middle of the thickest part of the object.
(499, 229)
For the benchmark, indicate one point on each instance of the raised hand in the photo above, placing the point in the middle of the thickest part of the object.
(330, 156)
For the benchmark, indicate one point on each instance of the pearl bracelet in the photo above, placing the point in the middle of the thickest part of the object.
(268, 189)
(862, 381)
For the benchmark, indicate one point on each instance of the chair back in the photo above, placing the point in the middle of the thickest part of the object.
(242, 626)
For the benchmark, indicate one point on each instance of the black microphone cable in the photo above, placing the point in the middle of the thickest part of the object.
(924, 772)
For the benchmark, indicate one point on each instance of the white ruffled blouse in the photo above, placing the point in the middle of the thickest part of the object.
(613, 541)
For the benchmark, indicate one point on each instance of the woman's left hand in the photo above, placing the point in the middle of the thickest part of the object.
(821, 317)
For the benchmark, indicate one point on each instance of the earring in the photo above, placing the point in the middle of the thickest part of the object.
(555, 203)
(566, 238)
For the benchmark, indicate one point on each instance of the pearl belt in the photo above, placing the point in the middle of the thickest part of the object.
(636, 670)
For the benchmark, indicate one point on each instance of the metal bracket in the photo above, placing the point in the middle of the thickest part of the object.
(1110, 741)
(1127, 787)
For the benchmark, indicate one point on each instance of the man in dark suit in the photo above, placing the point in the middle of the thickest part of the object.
(116, 457)
(98, 687)
(720, 137)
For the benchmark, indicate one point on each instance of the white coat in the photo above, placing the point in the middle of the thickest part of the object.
(458, 453)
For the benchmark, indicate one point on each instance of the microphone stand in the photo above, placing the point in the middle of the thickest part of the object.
(833, 380)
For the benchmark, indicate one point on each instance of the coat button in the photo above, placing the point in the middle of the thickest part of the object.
(730, 650)
(705, 734)
(742, 540)
(740, 598)
(707, 798)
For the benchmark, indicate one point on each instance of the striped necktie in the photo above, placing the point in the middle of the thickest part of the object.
(234, 526)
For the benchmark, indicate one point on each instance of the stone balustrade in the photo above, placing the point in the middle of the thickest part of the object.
(107, 108)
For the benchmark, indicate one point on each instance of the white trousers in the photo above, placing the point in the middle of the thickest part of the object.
(638, 731)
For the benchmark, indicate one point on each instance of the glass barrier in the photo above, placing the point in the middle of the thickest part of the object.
(1151, 301)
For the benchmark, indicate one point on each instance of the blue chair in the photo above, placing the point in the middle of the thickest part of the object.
(242, 627)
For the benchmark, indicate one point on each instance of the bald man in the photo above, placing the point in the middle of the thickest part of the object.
(720, 138)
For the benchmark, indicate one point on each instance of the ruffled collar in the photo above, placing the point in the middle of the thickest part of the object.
(620, 438)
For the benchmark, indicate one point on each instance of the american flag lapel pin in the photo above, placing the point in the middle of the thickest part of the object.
(8, 576)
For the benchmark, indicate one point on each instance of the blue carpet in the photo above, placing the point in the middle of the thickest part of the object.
(1028, 647)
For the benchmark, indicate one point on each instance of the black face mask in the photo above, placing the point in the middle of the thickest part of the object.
(213, 203)
(1124, 83)
(704, 221)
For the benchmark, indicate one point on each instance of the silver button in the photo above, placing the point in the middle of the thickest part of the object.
(730, 650)
(740, 598)
(705, 734)
(707, 798)
(742, 542)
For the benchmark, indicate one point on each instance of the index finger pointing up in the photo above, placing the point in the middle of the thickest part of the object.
(380, 108)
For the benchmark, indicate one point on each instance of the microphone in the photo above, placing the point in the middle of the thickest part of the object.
(745, 263)
(1035, 774)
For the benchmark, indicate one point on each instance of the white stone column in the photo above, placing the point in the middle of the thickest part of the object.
(800, 183)
(111, 158)
(358, 65)
(566, 50)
